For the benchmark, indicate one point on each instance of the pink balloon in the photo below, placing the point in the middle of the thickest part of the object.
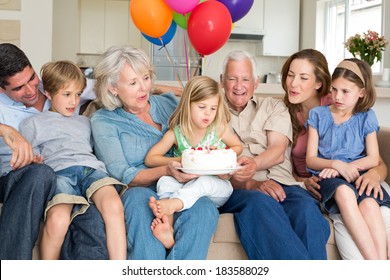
(209, 27)
(182, 6)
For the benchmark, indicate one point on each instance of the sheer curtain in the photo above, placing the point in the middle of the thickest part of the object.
(337, 20)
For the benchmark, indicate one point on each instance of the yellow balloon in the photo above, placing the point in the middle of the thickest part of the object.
(151, 17)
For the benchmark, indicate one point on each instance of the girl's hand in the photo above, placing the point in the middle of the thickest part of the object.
(349, 171)
(328, 173)
(368, 182)
(224, 176)
(313, 187)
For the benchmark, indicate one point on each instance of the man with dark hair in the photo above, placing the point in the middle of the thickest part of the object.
(25, 187)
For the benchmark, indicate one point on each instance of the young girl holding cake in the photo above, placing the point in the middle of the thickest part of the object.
(200, 122)
(342, 144)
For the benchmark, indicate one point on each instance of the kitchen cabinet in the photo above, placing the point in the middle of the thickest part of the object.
(281, 28)
(92, 26)
(252, 24)
(104, 23)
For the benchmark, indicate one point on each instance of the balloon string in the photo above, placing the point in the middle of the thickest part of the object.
(166, 50)
(179, 80)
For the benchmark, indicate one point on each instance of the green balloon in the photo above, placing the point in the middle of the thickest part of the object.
(181, 20)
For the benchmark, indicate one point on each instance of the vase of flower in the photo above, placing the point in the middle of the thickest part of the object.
(367, 47)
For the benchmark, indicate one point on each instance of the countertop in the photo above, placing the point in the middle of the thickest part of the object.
(277, 90)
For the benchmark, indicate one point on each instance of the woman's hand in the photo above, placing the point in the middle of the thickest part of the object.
(180, 176)
(369, 182)
(313, 187)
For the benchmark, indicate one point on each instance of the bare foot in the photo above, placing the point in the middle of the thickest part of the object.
(165, 206)
(169, 206)
(154, 205)
(163, 231)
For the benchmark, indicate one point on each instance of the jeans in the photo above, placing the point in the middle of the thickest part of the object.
(268, 230)
(24, 194)
(193, 231)
(86, 237)
(307, 220)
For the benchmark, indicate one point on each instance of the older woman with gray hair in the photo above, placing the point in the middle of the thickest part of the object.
(131, 121)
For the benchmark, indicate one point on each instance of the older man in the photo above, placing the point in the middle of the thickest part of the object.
(274, 217)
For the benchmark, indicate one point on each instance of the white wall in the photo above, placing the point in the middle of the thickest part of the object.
(66, 27)
(35, 19)
(36, 31)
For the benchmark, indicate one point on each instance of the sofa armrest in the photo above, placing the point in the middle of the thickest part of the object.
(384, 148)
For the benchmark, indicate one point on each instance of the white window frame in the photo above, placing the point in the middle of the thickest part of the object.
(325, 23)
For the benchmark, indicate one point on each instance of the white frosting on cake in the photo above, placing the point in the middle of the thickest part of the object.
(209, 159)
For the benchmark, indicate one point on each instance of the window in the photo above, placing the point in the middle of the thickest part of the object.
(337, 20)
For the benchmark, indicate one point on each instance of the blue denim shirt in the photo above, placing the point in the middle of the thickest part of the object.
(122, 140)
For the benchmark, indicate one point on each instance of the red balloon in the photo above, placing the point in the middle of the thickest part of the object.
(209, 27)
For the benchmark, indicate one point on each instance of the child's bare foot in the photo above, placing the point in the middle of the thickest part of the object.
(154, 205)
(165, 206)
(163, 231)
(170, 206)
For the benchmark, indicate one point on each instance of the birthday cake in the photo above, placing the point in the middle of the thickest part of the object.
(209, 159)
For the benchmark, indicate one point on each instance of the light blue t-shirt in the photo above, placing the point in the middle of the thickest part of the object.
(344, 141)
(122, 140)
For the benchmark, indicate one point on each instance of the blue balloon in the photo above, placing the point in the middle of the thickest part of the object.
(164, 39)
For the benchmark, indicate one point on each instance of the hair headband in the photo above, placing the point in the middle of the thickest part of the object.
(352, 66)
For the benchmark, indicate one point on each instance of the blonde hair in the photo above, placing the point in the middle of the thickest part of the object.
(57, 75)
(362, 80)
(197, 89)
(109, 67)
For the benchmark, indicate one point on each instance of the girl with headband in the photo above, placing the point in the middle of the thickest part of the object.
(343, 144)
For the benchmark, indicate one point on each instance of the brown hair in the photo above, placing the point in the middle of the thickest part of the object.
(321, 72)
(198, 89)
(57, 75)
(368, 100)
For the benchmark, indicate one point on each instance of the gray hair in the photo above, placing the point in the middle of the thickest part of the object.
(110, 65)
(240, 55)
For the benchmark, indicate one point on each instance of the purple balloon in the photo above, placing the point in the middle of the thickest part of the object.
(237, 8)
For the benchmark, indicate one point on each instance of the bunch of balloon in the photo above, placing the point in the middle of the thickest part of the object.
(208, 22)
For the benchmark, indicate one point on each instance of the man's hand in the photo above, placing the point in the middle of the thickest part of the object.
(246, 170)
(22, 153)
(272, 189)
